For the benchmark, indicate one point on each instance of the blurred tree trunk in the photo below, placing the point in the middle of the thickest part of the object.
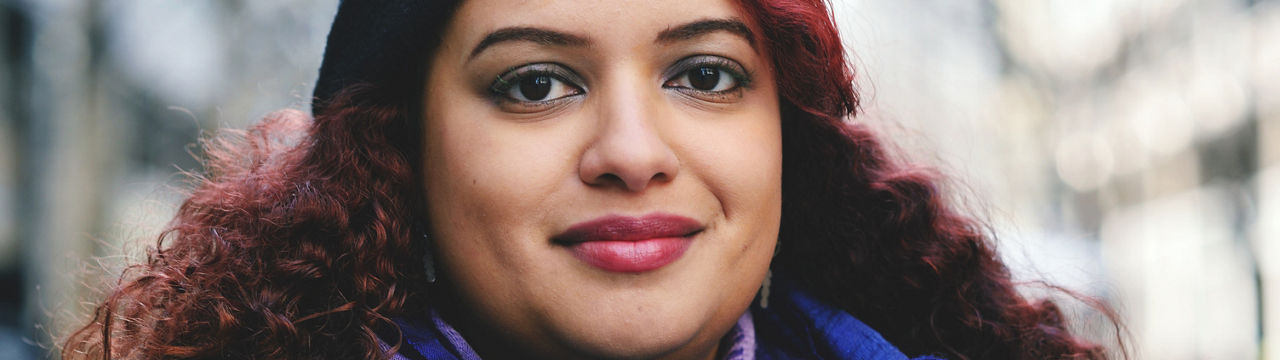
(64, 162)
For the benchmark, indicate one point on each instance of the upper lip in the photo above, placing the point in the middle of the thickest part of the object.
(628, 228)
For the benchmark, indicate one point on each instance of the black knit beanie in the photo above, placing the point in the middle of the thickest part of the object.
(381, 43)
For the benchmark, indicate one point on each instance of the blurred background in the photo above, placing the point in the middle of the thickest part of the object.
(1128, 150)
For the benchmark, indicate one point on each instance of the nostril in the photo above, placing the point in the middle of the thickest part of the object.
(660, 177)
(610, 179)
(634, 184)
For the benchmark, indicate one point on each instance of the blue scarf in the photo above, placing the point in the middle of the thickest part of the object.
(794, 326)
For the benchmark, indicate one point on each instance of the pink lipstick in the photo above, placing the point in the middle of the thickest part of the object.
(630, 244)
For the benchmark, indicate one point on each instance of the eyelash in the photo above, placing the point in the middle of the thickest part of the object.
(511, 78)
(508, 80)
(741, 76)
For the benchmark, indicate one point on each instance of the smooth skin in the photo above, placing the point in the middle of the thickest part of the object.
(544, 114)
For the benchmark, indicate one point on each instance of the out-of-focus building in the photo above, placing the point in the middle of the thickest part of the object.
(1128, 150)
(1124, 149)
(101, 103)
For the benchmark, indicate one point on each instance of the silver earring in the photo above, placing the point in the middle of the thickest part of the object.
(764, 289)
(428, 261)
(768, 277)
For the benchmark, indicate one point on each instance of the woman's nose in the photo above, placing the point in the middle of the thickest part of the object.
(628, 150)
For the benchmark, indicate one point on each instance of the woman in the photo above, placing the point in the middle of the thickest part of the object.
(606, 179)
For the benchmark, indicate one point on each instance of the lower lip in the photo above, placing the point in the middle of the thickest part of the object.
(631, 256)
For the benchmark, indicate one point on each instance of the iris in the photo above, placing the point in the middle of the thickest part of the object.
(704, 78)
(535, 87)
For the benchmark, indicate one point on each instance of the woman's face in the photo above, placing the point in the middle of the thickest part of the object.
(603, 177)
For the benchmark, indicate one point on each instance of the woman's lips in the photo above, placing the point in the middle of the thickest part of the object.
(630, 256)
(630, 244)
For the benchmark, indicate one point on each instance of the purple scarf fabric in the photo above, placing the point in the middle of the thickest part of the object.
(794, 326)
(743, 337)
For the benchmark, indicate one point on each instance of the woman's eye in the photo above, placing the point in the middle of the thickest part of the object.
(707, 78)
(541, 87)
(535, 84)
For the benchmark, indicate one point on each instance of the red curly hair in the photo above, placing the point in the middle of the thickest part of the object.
(299, 243)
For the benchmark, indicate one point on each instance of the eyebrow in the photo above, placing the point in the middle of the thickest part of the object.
(703, 27)
(530, 34)
(555, 38)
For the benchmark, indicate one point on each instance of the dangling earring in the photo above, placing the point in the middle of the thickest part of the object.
(428, 261)
(764, 289)
(768, 278)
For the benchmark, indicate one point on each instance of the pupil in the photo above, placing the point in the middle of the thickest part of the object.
(704, 78)
(535, 88)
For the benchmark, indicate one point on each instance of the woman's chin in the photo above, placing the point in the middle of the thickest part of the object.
(662, 314)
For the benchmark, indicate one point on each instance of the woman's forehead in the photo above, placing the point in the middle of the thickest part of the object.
(613, 21)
